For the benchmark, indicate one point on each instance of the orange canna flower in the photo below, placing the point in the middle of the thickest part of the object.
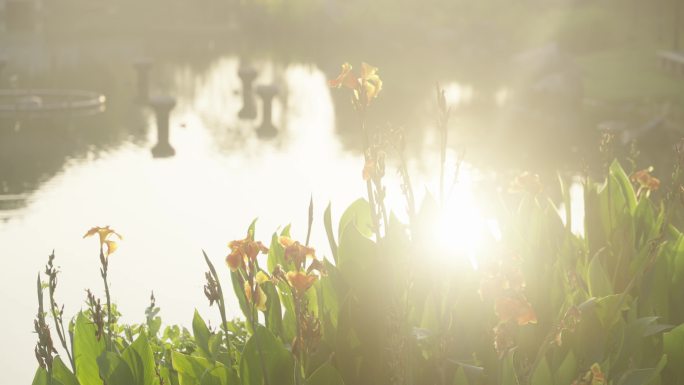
(346, 78)
(260, 300)
(105, 234)
(366, 85)
(597, 376)
(243, 250)
(593, 376)
(508, 308)
(301, 282)
(296, 252)
(645, 180)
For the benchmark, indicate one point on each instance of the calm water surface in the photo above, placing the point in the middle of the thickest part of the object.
(168, 210)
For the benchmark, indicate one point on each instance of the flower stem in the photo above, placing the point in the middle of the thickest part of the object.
(105, 264)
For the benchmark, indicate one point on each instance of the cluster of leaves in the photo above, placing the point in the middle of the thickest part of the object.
(541, 306)
(547, 307)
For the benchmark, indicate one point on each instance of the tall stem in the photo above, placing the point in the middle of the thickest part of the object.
(221, 304)
(369, 185)
(298, 356)
(109, 302)
(59, 326)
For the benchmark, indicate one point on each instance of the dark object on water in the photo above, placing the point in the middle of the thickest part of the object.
(267, 93)
(33, 103)
(162, 106)
(247, 76)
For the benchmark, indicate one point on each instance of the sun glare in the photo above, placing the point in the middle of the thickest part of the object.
(461, 227)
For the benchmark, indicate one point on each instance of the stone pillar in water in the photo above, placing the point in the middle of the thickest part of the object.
(162, 106)
(247, 75)
(267, 93)
(142, 67)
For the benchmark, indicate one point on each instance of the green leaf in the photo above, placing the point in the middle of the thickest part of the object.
(220, 375)
(625, 185)
(41, 377)
(542, 374)
(264, 354)
(599, 283)
(326, 374)
(190, 369)
(140, 360)
(358, 214)
(508, 374)
(460, 377)
(87, 349)
(567, 371)
(643, 376)
(202, 334)
(251, 230)
(62, 374)
(239, 290)
(673, 346)
(327, 222)
(609, 309)
(274, 315)
(276, 254)
(356, 255)
(115, 370)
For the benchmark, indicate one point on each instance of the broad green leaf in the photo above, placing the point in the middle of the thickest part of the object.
(190, 369)
(673, 346)
(286, 231)
(220, 375)
(359, 214)
(327, 222)
(599, 283)
(251, 230)
(625, 185)
(140, 360)
(114, 370)
(567, 371)
(265, 355)
(356, 254)
(460, 377)
(326, 374)
(62, 374)
(643, 376)
(609, 309)
(276, 254)
(202, 334)
(239, 290)
(274, 311)
(87, 349)
(508, 374)
(41, 377)
(542, 374)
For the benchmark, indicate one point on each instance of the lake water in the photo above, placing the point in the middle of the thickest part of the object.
(168, 210)
(59, 176)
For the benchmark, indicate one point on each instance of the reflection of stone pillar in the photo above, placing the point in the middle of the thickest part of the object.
(142, 67)
(162, 106)
(267, 93)
(247, 75)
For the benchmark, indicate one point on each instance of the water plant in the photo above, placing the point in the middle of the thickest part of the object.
(542, 305)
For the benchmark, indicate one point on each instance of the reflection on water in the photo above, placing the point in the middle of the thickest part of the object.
(168, 210)
(61, 176)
